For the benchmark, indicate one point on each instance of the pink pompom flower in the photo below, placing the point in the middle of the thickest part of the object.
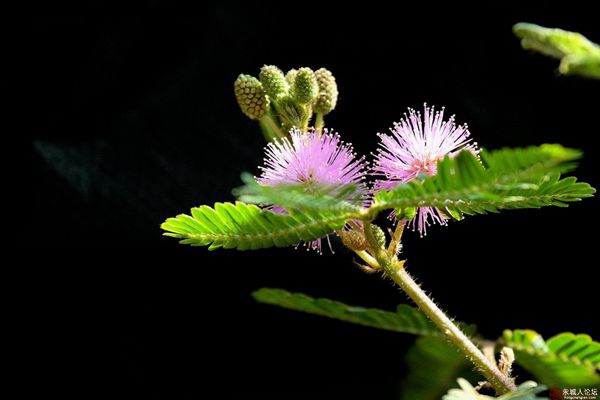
(312, 159)
(414, 147)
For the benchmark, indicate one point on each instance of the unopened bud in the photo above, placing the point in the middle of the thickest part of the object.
(251, 97)
(379, 235)
(273, 81)
(290, 77)
(354, 240)
(306, 88)
(328, 92)
(507, 358)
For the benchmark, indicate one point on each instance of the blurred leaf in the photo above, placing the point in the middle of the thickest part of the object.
(565, 360)
(305, 197)
(433, 366)
(525, 391)
(406, 319)
(578, 55)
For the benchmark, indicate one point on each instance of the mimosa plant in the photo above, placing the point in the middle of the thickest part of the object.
(427, 170)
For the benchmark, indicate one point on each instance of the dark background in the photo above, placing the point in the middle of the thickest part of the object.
(133, 120)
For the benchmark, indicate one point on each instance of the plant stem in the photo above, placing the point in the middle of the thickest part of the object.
(366, 257)
(395, 270)
(319, 123)
(395, 240)
(270, 128)
(307, 114)
(488, 368)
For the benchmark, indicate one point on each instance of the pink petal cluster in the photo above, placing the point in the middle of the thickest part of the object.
(414, 147)
(313, 159)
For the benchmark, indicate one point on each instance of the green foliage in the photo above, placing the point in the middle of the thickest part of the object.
(406, 319)
(578, 55)
(530, 162)
(525, 391)
(501, 180)
(345, 198)
(565, 360)
(433, 364)
(507, 179)
(243, 226)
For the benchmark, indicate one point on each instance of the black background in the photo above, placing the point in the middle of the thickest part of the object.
(133, 120)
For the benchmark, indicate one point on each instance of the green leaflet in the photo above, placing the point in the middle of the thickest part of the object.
(523, 163)
(406, 319)
(345, 198)
(434, 364)
(507, 179)
(525, 391)
(244, 226)
(578, 55)
(565, 360)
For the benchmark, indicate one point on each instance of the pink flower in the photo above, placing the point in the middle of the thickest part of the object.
(311, 159)
(414, 147)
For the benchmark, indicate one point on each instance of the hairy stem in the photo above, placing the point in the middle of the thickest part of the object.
(394, 269)
(488, 368)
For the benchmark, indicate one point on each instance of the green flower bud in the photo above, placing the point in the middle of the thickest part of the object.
(328, 92)
(273, 81)
(251, 97)
(291, 76)
(379, 235)
(306, 88)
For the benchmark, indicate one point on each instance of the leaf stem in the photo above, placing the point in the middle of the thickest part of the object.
(394, 269)
(395, 240)
(365, 256)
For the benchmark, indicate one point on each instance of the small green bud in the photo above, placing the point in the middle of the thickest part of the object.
(306, 87)
(328, 92)
(273, 81)
(251, 97)
(291, 76)
(379, 235)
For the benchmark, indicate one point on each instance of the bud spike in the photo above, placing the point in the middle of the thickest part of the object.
(251, 97)
(328, 92)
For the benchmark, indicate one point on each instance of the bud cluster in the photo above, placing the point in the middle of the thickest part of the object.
(285, 101)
